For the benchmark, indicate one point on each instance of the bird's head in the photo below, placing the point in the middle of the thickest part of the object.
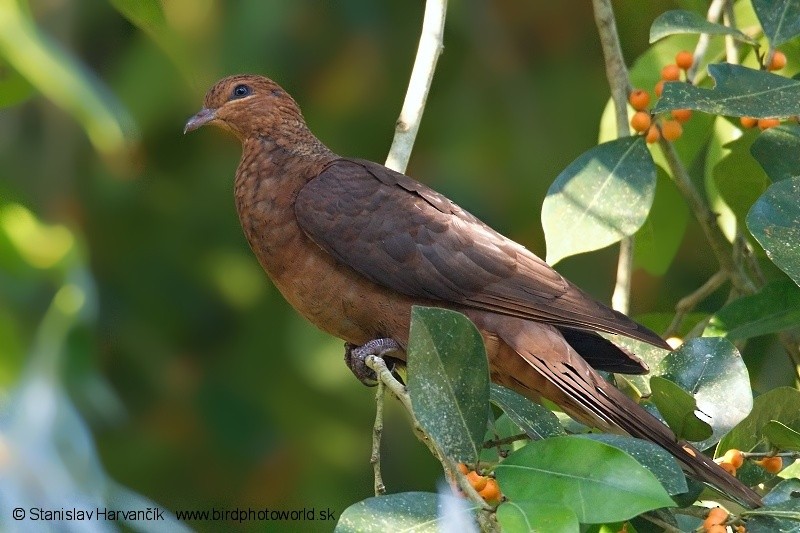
(247, 105)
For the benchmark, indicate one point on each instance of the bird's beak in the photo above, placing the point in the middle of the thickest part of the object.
(203, 117)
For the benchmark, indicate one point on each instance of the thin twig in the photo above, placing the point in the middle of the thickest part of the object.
(731, 46)
(507, 440)
(617, 74)
(714, 14)
(377, 432)
(399, 390)
(688, 303)
(430, 47)
(720, 246)
(669, 528)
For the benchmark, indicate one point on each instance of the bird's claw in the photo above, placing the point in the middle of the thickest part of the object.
(355, 358)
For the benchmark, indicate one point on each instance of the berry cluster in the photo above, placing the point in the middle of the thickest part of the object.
(734, 459)
(486, 487)
(777, 62)
(644, 121)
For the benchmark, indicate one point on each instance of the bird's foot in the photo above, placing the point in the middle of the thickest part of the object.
(355, 358)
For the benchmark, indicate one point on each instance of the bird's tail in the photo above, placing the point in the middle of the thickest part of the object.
(536, 361)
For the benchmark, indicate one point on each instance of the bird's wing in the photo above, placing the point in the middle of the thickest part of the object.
(401, 234)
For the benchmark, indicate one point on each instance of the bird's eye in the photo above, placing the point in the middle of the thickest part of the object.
(240, 91)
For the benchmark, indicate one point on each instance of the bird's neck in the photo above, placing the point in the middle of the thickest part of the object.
(270, 175)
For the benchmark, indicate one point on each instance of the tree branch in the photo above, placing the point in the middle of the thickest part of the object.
(617, 74)
(377, 433)
(430, 47)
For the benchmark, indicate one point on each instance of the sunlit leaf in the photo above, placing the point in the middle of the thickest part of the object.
(682, 21)
(601, 197)
(739, 92)
(655, 458)
(600, 483)
(448, 380)
(530, 516)
(774, 308)
(406, 511)
(713, 371)
(536, 421)
(774, 221)
(778, 151)
(779, 18)
(679, 409)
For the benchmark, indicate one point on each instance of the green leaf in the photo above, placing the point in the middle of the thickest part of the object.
(653, 457)
(448, 380)
(778, 151)
(678, 408)
(528, 516)
(786, 490)
(14, 89)
(681, 21)
(781, 404)
(148, 16)
(601, 197)
(63, 79)
(406, 511)
(536, 421)
(780, 517)
(774, 221)
(659, 238)
(781, 436)
(713, 371)
(774, 308)
(600, 483)
(779, 18)
(739, 92)
(739, 178)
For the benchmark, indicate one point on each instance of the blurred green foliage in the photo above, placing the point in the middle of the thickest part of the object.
(201, 387)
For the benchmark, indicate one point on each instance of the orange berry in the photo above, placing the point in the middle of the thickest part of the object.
(748, 122)
(671, 129)
(767, 123)
(684, 59)
(477, 481)
(740, 529)
(659, 88)
(652, 134)
(734, 457)
(639, 99)
(491, 492)
(773, 465)
(778, 61)
(640, 121)
(681, 115)
(671, 73)
(728, 467)
(716, 517)
(463, 468)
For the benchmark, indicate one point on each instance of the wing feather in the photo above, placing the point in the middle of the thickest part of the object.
(399, 233)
